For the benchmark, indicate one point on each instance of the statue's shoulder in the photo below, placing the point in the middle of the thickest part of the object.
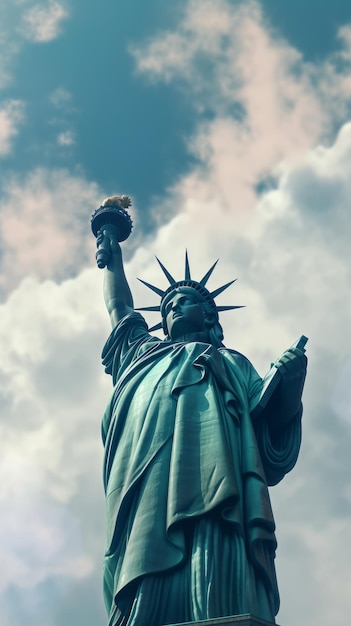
(134, 318)
(236, 358)
(235, 354)
(131, 325)
(131, 328)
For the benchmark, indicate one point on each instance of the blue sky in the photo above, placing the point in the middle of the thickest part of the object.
(89, 60)
(229, 125)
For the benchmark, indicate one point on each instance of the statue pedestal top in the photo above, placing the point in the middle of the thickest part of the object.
(235, 620)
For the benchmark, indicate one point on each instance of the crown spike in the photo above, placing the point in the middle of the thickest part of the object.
(204, 280)
(148, 308)
(166, 272)
(229, 308)
(156, 327)
(187, 266)
(160, 292)
(187, 282)
(216, 293)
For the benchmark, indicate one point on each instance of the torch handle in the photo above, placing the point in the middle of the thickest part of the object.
(103, 253)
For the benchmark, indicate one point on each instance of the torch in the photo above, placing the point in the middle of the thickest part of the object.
(113, 213)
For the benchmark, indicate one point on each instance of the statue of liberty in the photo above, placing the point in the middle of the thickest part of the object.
(193, 437)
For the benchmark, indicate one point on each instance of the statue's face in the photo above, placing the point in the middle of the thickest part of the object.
(184, 313)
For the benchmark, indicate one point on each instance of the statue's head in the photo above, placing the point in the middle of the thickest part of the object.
(188, 307)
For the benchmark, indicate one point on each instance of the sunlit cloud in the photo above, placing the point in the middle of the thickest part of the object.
(292, 262)
(268, 193)
(344, 34)
(46, 224)
(257, 85)
(340, 399)
(8, 51)
(66, 138)
(12, 115)
(43, 22)
(51, 336)
(23, 22)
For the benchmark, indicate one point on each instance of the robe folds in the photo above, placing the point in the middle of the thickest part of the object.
(189, 525)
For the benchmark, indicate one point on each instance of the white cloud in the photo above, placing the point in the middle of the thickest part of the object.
(344, 34)
(60, 97)
(289, 247)
(268, 103)
(51, 452)
(203, 31)
(43, 21)
(11, 116)
(289, 107)
(273, 122)
(46, 228)
(66, 138)
(36, 22)
(291, 253)
(8, 50)
(341, 396)
(55, 547)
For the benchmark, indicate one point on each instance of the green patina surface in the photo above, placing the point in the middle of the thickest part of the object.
(192, 441)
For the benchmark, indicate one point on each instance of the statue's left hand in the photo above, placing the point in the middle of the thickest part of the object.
(292, 363)
(292, 368)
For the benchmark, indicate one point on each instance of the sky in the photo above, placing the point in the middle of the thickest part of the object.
(229, 124)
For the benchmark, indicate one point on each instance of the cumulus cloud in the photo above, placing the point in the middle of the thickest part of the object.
(341, 394)
(27, 21)
(11, 117)
(292, 261)
(43, 21)
(344, 34)
(267, 104)
(9, 42)
(291, 250)
(60, 97)
(285, 135)
(50, 372)
(46, 224)
(8, 50)
(66, 138)
(270, 195)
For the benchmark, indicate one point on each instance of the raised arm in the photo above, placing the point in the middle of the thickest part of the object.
(117, 294)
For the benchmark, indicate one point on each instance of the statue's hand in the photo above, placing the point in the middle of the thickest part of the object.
(292, 363)
(292, 368)
(107, 245)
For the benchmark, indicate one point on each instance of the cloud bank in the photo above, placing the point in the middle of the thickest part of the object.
(11, 117)
(43, 21)
(269, 193)
(45, 225)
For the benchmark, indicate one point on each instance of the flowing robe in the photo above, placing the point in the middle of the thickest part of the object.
(190, 530)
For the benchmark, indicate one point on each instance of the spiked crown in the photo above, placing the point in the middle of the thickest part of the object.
(199, 287)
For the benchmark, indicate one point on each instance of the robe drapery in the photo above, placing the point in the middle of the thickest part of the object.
(190, 530)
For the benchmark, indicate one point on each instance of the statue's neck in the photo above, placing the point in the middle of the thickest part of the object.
(201, 336)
